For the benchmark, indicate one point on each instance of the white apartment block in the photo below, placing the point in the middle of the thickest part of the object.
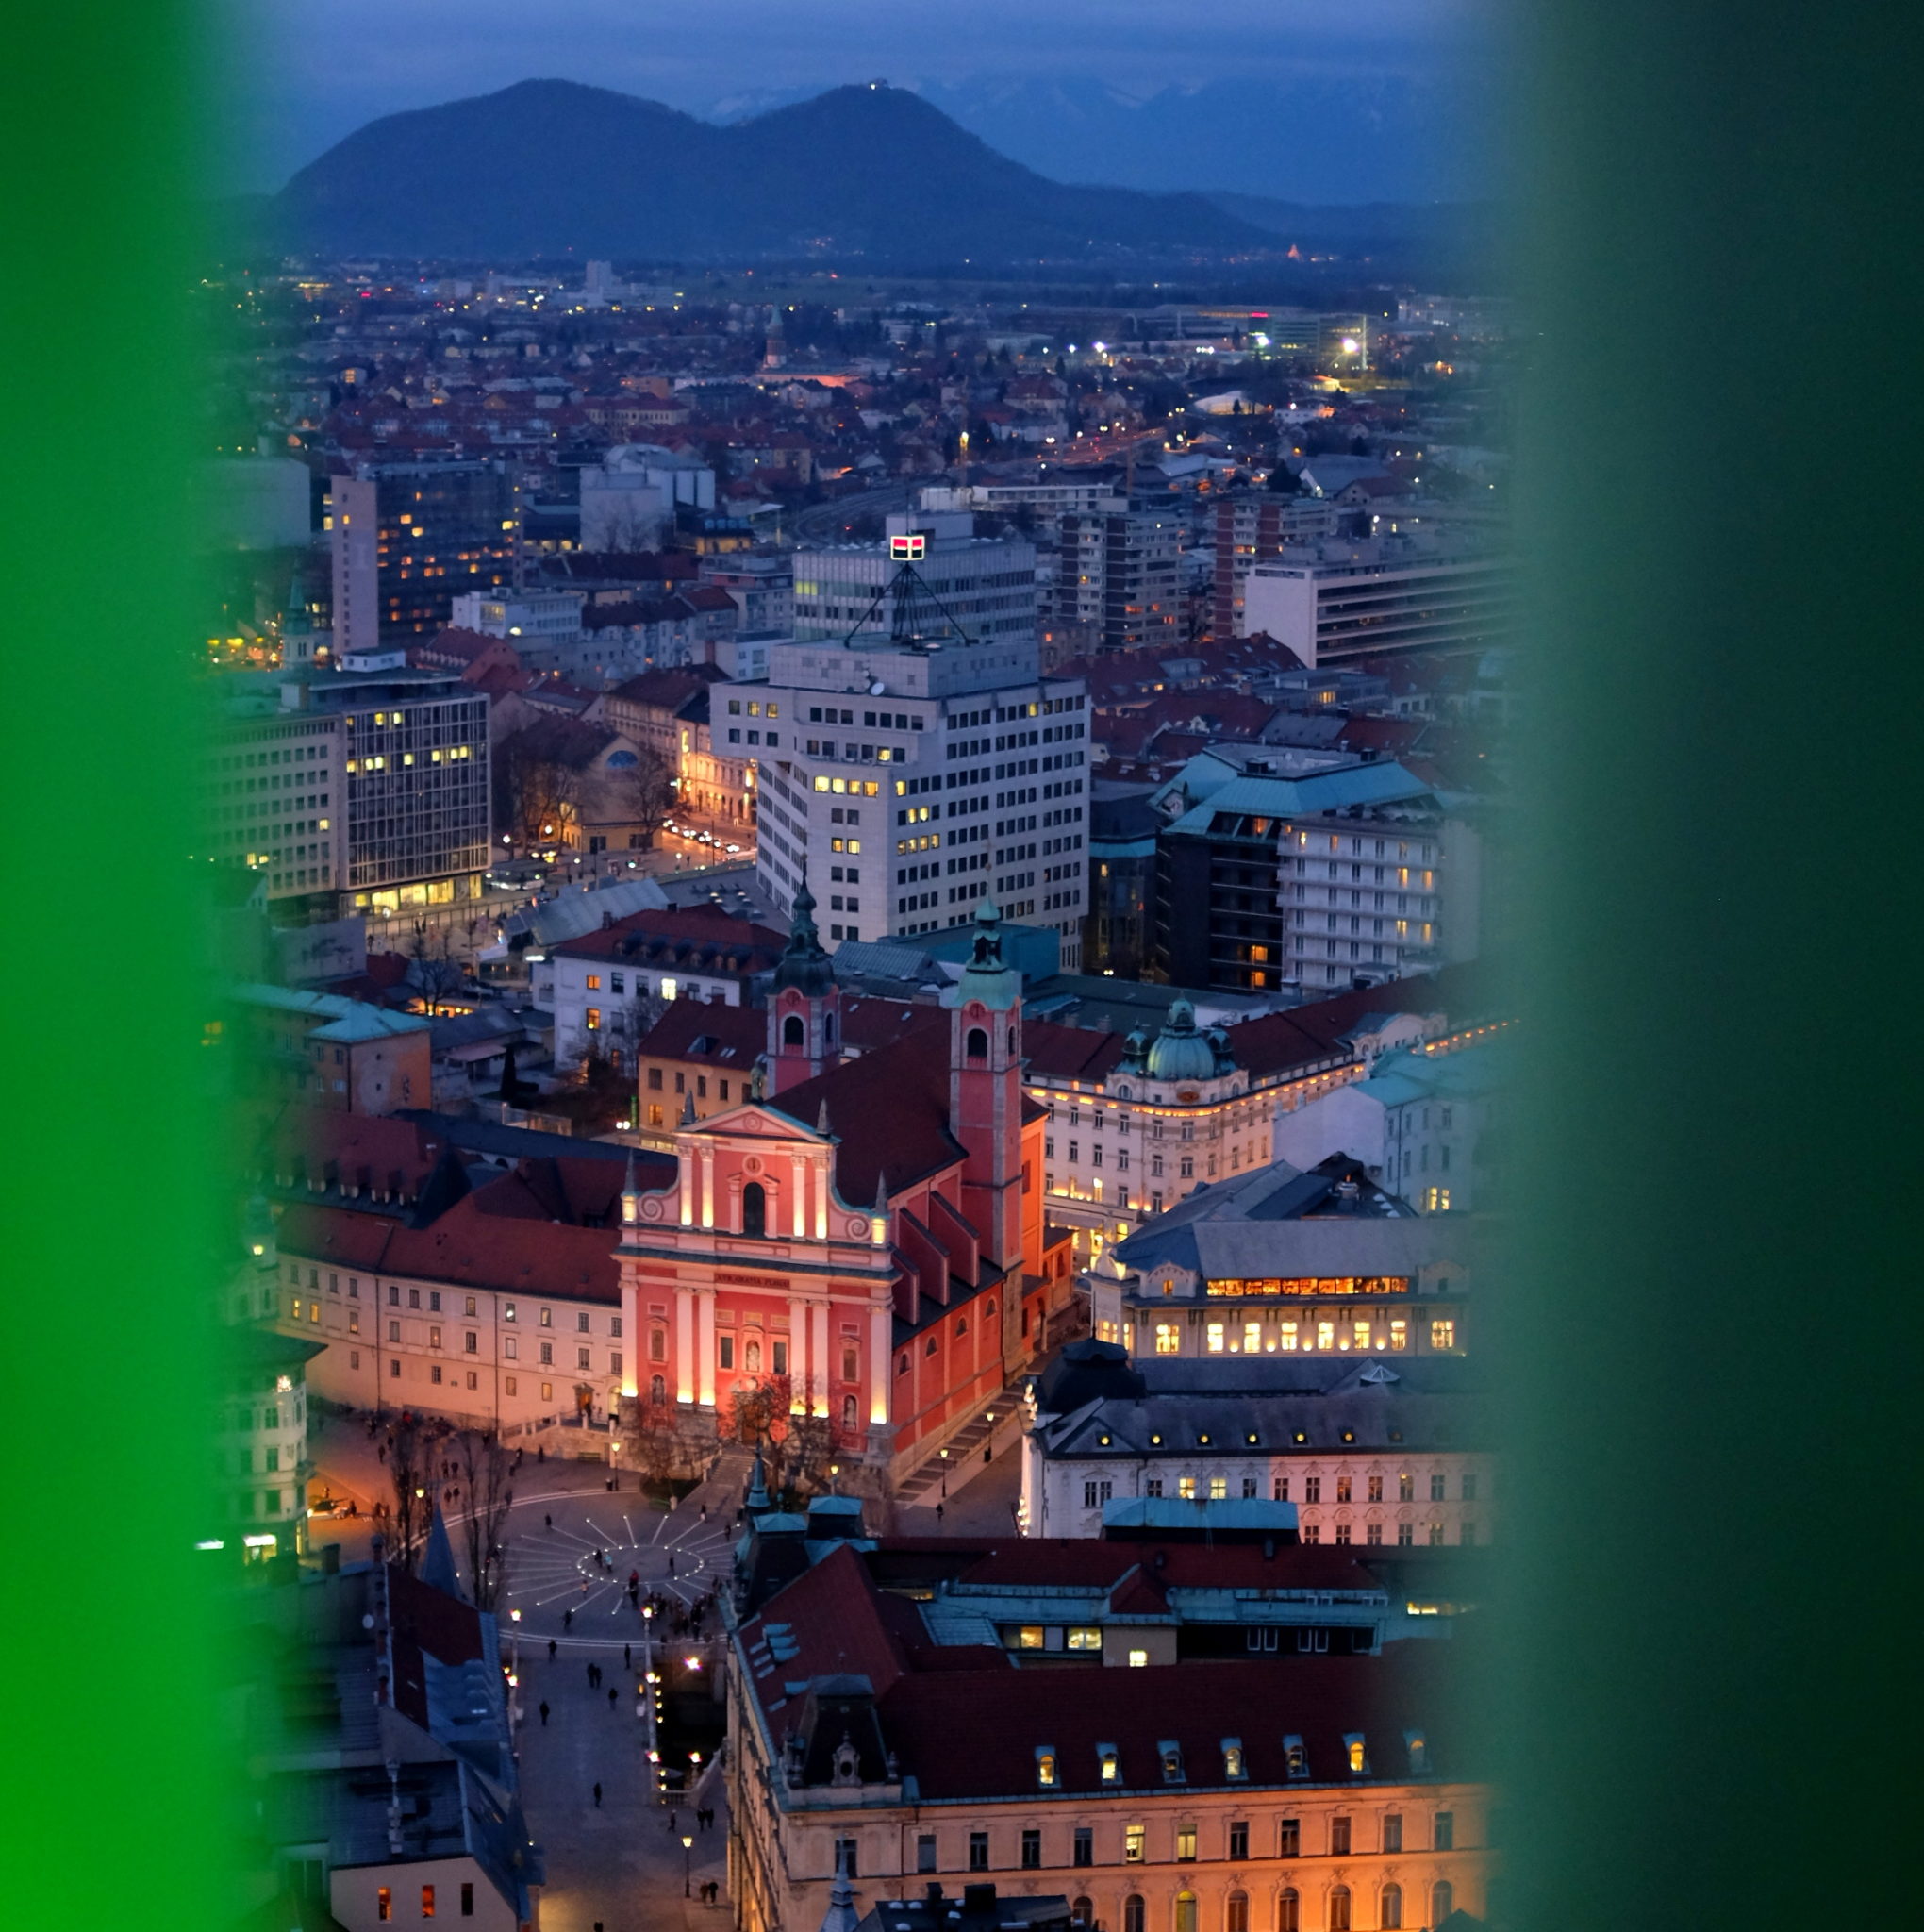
(1335, 602)
(530, 616)
(1414, 1121)
(274, 799)
(912, 781)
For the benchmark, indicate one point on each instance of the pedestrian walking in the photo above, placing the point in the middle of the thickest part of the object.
(567, 1620)
(544, 1713)
(597, 1794)
(552, 1646)
(547, 1522)
(670, 1562)
(613, 1693)
(628, 1658)
(938, 1512)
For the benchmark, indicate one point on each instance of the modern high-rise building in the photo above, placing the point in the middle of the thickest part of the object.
(408, 537)
(275, 802)
(912, 772)
(1251, 526)
(987, 585)
(414, 784)
(1119, 573)
(1317, 881)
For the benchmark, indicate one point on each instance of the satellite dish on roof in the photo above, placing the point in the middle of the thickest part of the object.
(876, 689)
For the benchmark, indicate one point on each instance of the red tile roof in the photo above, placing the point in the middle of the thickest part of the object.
(696, 935)
(1070, 1053)
(967, 1720)
(888, 1110)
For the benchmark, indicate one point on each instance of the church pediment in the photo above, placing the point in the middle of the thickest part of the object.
(755, 1120)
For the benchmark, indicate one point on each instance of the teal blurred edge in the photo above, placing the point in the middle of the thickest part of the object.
(1709, 1345)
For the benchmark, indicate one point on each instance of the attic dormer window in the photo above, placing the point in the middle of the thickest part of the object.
(1234, 1766)
(1172, 1755)
(1295, 1757)
(1045, 1766)
(1109, 1764)
(1420, 1750)
(1357, 1756)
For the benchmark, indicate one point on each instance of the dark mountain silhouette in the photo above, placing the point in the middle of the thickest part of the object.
(549, 166)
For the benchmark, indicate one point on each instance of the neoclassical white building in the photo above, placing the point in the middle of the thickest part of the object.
(1372, 1454)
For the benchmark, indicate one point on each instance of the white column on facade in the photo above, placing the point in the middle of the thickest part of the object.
(707, 1187)
(819, 1384)
(705, 1345)
(881, 1371)
(822, 1198)
(631, 1336)
(686, 1187)
(684, 1344)
(798, 1355)
(800, 1190)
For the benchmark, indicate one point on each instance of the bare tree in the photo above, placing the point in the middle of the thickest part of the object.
(538, 797)
(487, 1489)
(432, 972)
(642, 793)
(411, 1469)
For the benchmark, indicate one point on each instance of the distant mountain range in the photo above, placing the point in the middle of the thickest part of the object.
(876, 174)
(1317, 137)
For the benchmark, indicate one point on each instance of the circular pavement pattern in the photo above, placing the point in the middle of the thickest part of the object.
(570, 1581)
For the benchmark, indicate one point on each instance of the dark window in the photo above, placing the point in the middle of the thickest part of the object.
(1235, 1914)
(1442, 1901)
(1031, 1851)
(1444, 1840)
(1339, 1908)
(978, 1850)
(1289, 1839)
(755, 1209)
(1085, 1853)
(467, 1898)
(1131, 1913)
(1239, 1840)
(1339, 1838)
(1288, 1910)
(1391, 1917)
(792, 1034)
(925, 1851)
(977, 1046)
(1392, 1832)
(845, 1854)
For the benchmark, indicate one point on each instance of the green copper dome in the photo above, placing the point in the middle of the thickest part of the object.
(1178, 1052)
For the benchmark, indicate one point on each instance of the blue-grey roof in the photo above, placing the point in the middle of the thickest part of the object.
(1291, 1404)
(1280, 1220)
(1382, 782)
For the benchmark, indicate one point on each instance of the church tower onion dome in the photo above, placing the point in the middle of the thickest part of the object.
(987, 978)
(1180, 1052)
(803, 964)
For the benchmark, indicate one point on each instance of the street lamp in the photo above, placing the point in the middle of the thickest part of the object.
(687, 1846)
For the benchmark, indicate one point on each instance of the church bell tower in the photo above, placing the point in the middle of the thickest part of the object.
(804, 1006)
